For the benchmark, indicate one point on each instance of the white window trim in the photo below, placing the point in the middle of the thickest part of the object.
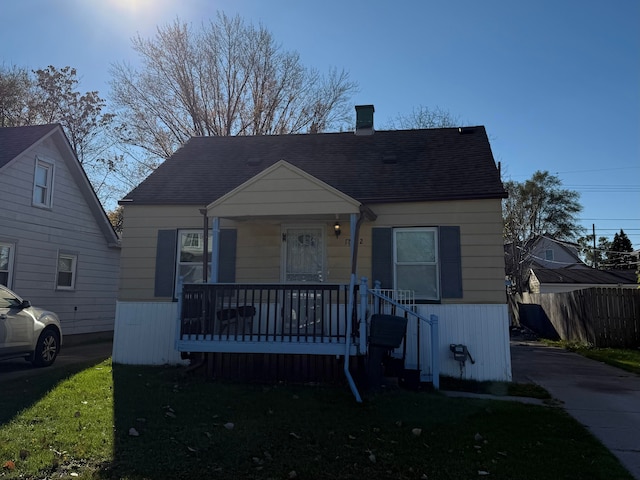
(12, 249)
(436, 263)
(74, 269)
(48, 203)
(283, 249)
(188, 231)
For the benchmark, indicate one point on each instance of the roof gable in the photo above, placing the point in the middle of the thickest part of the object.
(386, 167)
(18, 141)
(282, 189)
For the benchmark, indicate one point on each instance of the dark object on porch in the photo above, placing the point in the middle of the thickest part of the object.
(231, 316)
(386, 332)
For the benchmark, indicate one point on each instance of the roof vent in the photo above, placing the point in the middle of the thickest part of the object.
(465, 130)
(252, 162)
(364, 119)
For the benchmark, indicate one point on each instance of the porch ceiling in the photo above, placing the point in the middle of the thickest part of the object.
(280, 191)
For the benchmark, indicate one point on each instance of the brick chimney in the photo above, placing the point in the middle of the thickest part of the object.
(364, 119)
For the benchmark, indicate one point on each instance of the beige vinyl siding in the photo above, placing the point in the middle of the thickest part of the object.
(481, 241)
(140, 232)
(282, 189)
(69, 226)
(259, 244)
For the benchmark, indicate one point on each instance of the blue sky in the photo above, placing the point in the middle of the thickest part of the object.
(556, 83)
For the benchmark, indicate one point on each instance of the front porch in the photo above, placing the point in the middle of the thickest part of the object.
(267, 318)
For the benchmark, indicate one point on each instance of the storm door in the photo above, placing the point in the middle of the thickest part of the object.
(304, 254)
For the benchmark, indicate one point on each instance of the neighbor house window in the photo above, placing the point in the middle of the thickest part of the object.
(43, 184)
(66, 271)
(6, 263)
(190, 256)
(548, 255)
(415, 261)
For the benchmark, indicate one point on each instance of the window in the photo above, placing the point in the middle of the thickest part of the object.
(43, 183)
(415, 261)
(6, 263)
(190, 256)
(66, 271)
(548, 255)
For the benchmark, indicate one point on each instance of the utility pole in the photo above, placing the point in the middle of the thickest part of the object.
(595, 257)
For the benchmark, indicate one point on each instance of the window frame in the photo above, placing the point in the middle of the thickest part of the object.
(10, 262)
(74, 269)
(434, 231)
(189, 232)
(47, 187)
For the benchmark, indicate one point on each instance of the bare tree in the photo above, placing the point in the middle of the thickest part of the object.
(16, 88)
(539, 206)
(424, 117)
(51, 95)
(228, 78)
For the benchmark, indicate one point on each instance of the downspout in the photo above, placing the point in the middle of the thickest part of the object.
(355, 234)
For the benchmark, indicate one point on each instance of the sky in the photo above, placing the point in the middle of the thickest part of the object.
(555, 83)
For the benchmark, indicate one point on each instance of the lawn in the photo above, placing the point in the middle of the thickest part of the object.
(156, 422)
(625, 359)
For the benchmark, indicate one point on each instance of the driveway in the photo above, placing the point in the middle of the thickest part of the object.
(604, 399)
(70, 356)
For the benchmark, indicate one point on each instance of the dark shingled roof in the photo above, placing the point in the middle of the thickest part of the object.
(585, 276)
(388, 166)
(15, 140)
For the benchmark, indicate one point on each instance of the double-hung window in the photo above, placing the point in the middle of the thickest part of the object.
(191, 255)
(43, 184)
(66, 276)
(415, 261)
(6, 263)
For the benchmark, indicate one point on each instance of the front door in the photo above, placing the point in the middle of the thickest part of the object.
(304, 254)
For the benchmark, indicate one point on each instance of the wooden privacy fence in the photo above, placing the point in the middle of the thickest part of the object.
(603, 317)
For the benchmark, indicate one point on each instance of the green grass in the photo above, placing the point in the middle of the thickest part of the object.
(82, 426)
(625, 359)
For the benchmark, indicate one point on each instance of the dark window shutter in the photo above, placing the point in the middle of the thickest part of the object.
(382, 257)
(165, 263)
(450, 263)
(227, 264)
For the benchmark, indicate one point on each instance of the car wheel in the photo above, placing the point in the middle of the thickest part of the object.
(47, 348)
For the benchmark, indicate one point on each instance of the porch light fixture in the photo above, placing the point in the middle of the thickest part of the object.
(336, 229)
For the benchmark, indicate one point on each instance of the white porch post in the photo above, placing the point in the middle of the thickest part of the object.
(215, 250)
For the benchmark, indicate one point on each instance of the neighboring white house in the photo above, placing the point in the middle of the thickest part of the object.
(57, 247)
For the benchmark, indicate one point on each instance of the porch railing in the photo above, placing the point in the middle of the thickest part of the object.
(265, 313)
(402, 303)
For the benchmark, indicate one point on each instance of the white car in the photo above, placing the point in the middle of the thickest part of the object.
(27, 331)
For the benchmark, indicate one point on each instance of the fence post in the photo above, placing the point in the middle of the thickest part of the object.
(364, 298)
(376, 301)
(179, 319)
(435, 353)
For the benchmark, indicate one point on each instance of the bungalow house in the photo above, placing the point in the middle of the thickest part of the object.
(291, 221)
(57, 247)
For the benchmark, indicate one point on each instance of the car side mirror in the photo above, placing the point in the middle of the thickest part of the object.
(25, 304)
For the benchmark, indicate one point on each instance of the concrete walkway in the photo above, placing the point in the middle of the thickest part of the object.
(604, 399)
